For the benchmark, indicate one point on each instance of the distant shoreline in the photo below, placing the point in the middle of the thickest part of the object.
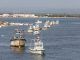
(59, 17)
(38, 15)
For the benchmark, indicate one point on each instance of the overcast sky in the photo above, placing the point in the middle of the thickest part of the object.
(40, 4)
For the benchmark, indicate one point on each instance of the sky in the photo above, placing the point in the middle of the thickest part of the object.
(40, 4)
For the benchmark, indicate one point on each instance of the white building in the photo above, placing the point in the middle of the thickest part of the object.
(24, 15)
(19, 15)
(5, 15)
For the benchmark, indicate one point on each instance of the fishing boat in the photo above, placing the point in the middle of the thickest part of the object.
(36, 32)
(38, 21)
(30, 30)
(36, 27)
(37, 47)
(55, 22)
(46, 25)
(18, 40)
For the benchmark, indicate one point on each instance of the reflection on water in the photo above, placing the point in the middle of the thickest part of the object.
(17, 49)
(20, 54)
(37, 57)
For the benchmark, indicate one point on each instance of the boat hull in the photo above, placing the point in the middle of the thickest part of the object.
(41, 52)
(17, 43)
(30, 31)
(37, 29)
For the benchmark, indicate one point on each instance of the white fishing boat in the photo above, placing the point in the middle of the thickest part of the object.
(37, 45)
(38, 21)
(36, 32)
(46, 25)
(36, 27)
(30, 30)
(18, 40)
(37, 48)
(57, 22)
(47, 22)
